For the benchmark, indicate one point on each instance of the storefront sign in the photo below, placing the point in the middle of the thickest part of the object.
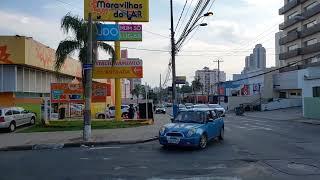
(122, 32)
(181, 79)
(121, 69)
(117, 10)
(73, 93)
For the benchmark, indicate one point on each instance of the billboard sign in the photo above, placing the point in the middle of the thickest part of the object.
(117, 10)
(73, 93)
(120, 69)
(181, 79)
(121, 32)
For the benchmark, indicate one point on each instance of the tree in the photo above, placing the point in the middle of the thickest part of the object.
(77, 41)
(137, 91)
(196, 86)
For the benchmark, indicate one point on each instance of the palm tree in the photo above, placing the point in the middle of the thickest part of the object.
(137, 91)
(196, 86)
(78, 42)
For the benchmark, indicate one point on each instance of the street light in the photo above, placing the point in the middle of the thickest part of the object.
(208, 14)
(188, 32)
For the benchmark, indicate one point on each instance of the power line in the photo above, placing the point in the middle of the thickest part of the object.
(156, 34)
(181, 14)
(184, 18)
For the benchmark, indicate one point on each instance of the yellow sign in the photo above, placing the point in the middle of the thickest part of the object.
(117, 10)
(121, 69)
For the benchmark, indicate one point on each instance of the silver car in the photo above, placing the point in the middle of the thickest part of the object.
(13, 117)
(218, 109)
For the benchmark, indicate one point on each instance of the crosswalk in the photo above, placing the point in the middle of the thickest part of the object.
(248, 124)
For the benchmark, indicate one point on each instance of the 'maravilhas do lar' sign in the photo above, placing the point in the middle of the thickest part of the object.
(117, 10)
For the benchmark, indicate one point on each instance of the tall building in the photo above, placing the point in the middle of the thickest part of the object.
(209, 78)
(301, 29)
(278, 36)
(256, 60)
(259, 56)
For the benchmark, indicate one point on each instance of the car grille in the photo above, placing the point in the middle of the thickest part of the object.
(176, 134)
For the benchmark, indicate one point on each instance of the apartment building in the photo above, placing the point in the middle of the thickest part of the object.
(209, 78)
(301, 32)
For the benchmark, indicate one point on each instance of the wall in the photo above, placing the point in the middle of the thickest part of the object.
(6, 99)
(311, 107)
(281, 104)
(235, 101)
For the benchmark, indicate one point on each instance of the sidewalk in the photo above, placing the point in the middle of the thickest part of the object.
(109, 135)
(290, 114)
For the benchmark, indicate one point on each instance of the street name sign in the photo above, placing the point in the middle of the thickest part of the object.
(117, 10)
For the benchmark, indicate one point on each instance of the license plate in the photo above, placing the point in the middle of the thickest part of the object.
(173, 140)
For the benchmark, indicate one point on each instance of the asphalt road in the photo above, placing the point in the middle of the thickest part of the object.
(253, 149)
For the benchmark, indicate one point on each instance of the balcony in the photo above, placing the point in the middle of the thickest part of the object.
(311, 12)
(290, 22)
(288, 6)
(289, 38)
(309, 31)
(310, 49)
(289, 54)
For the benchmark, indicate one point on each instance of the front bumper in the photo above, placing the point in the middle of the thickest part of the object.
(187, 142)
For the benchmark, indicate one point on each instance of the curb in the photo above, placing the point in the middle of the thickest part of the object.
(74, 145)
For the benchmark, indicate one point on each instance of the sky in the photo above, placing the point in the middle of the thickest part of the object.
(232, 32)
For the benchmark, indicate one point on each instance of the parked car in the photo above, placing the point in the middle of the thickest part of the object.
(200, 106)
(160, 110)
(218, 108)
(182, 107)
(194, 128)
(189, 105)
(169, 105)
(13, 117)
(110, 113)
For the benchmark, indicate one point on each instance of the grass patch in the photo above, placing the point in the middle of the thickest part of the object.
(78, 125)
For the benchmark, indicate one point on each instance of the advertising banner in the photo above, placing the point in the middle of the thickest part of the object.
(117, 10)
(120, 69)
(121, 32)
(73, 93)
(181, 79)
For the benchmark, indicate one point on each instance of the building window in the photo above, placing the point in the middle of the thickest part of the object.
(282, 95)
(310, 24)
(293, 47)
(316, 91)
(292, 15)
(311, 42)
(311, 6)
(292, 31)
(293, 94)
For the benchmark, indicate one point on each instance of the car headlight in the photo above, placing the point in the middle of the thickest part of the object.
(191, 132)
(162, 130)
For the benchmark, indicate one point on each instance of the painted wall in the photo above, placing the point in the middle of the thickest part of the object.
(281, 104)
(235, 101)
(311, 107)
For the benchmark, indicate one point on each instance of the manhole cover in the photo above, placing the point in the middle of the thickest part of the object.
(303, 167)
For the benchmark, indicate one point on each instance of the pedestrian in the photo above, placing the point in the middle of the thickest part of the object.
(131, 112)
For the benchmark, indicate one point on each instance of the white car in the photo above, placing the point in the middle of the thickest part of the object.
(218, 109)
(13, 117)
(111, 112)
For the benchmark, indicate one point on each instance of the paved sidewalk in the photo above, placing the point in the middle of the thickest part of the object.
(289, 114)
(126, 134)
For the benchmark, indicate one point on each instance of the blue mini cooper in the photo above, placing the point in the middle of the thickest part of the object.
(193, 128)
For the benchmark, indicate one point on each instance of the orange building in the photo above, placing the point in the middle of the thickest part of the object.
(27, 70)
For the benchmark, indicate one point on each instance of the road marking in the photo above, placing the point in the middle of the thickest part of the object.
(99, 148)
(106, 158)
(84, 158)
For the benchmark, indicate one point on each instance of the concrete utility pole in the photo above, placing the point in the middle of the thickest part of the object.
(88, 86)
(160, 93)
(218, 61)
(173, 62)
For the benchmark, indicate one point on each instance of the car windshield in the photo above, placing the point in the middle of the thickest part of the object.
(201, 106)
(214, 106)
(190, 117)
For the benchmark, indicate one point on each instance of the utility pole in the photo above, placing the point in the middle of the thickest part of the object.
(218, 61)
(88, 86)
(173, 62)
(160, 93)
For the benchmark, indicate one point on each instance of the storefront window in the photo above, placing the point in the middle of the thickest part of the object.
(316, 91)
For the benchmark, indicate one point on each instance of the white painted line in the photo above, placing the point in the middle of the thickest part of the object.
(84, 158)
(98, 148)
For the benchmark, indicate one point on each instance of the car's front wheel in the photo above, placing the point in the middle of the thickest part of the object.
(221, 136)
(32, 121)
(203, 141)
(101, 116)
